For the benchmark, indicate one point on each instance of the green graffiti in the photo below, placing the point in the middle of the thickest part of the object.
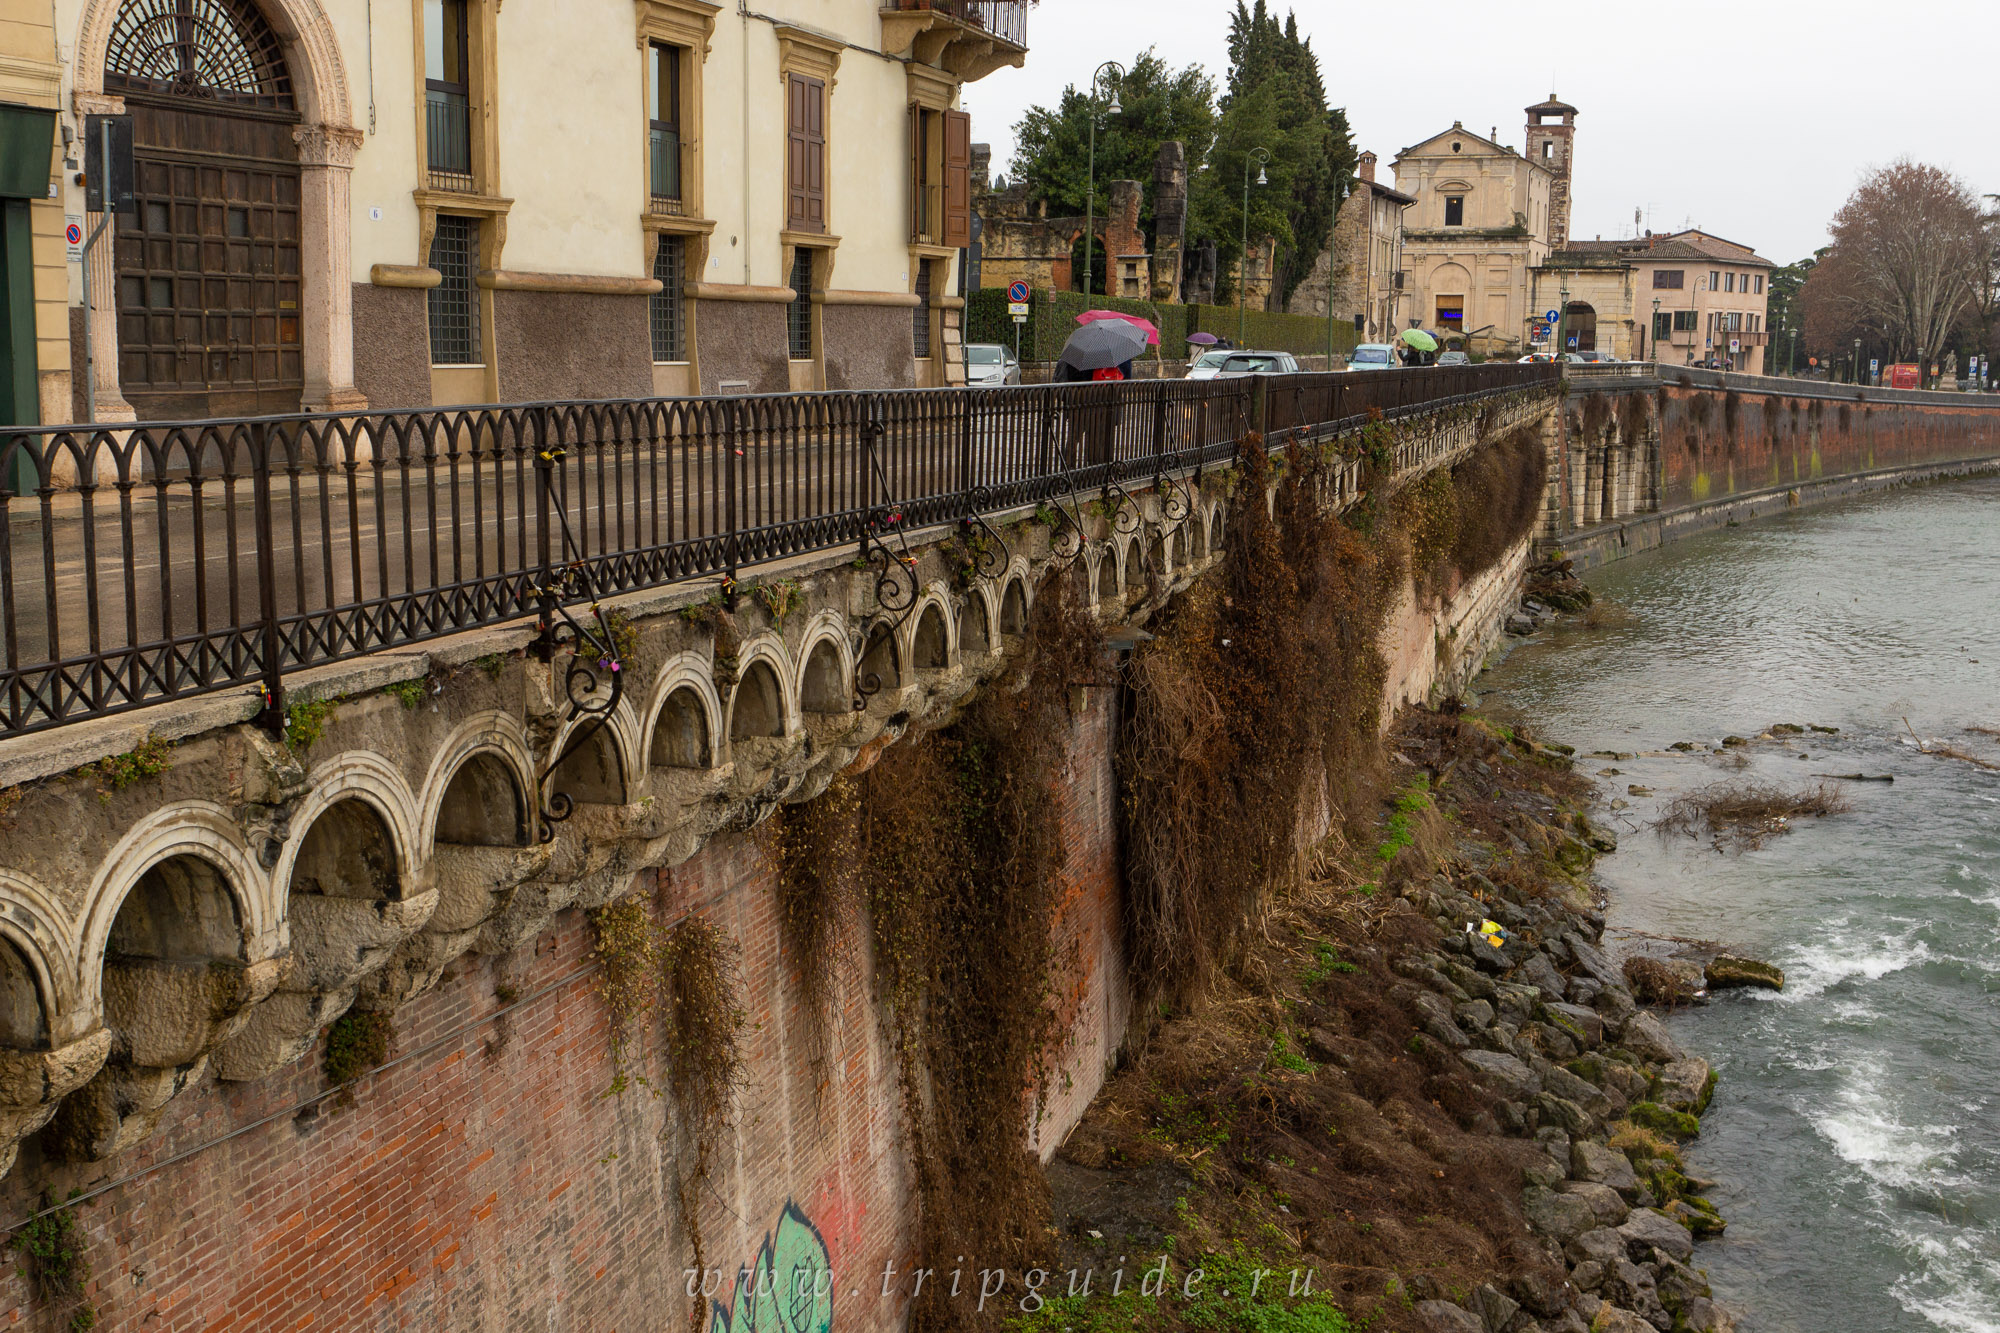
(789, 1289)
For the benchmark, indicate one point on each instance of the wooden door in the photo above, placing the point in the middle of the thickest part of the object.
(208, 272)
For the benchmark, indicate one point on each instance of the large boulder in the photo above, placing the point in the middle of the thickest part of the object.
(1728, 970)
(1684, 1084)
(1646, 1231)
(1443, 1317)
(1600, 1165)
(1647, 1037)
(1602, 1200)
(1585, 1025)
(1560, 1217)
(1512, 1078)
(1600, 1245)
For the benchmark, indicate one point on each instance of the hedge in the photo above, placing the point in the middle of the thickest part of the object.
(1052, 318)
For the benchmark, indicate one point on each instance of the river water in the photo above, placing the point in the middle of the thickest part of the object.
(1855, 1133)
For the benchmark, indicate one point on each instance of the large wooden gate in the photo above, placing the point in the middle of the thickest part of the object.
(208, 271)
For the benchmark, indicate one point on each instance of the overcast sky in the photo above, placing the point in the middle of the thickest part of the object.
(1752, 120)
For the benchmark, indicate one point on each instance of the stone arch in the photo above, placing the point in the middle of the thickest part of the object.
(1580, 322)
(1197, 537)
(200, 829)
(312, 50)
(1132, 562)
(823, 685)
(1014, 607)
(504, 742)
(40, 933)
(1215, 530)
(684, 714)
(364, 776)
(24, 1014)
(930, 641)
(757, 704)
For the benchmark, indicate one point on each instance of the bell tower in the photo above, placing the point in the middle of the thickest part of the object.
(1551, 139)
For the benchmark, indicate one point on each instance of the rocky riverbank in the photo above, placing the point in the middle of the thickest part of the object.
(1425, 1087)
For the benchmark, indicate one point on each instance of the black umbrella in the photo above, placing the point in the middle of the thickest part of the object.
(1103, 343)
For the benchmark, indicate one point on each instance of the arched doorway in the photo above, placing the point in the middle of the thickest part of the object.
(209, 295)
(1580, 323)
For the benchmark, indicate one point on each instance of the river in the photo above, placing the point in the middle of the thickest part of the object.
(1855, 1133)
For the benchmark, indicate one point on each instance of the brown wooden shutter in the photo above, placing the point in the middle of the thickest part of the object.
(805, 153)
(916, 172)
(957, 178)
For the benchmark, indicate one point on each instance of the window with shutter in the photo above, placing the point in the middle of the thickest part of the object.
(805, 154)
(957, 178)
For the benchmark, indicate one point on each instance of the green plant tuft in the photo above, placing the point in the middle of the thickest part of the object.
(150, 758)
(52, 1248)
(409, 693)
(305, 721)
(356, 1042)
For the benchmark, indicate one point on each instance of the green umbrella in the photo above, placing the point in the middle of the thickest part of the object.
(1420, 340)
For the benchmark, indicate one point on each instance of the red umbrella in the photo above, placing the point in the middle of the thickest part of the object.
(1152, 330)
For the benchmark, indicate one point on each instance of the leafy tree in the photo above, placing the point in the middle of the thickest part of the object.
(1275, 100)
(1052, 152)
(1783, 312)
(1906, 270)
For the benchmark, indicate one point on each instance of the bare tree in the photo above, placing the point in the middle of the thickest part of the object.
(1909, 261)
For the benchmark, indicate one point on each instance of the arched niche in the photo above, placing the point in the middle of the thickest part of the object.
(592, 773)
(930, 648)
(347, 853)
(680, 733)
(24, 1023)
(757, 709)
(1197, 529)
(975, 630)
(1014, 609)
(823, 689)
(882, 660)
(483, 805)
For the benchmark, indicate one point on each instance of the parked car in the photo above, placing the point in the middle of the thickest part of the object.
(1205, 366)
(1533, 357)
(1240, 362)
(1453, 359)
(1372, 356)
(990, 363)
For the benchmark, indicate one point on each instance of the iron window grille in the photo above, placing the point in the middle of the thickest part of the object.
(663, 127)
(920, 318)
(447, 98)
(799, 314)
(454, 302)
(669, 304)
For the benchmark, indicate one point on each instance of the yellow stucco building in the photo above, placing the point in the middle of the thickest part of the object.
(34, 291)
(405, 203)
(1484, 217)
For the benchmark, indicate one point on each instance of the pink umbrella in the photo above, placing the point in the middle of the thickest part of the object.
(1152, 331)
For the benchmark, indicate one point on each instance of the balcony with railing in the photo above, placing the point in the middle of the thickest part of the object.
(448, 141)
(664, 170)
(969, 38)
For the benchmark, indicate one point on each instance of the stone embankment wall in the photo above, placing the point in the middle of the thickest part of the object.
(484, 1177)
(1638, 465)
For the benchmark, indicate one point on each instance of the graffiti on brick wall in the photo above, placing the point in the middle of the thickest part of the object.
(788, 1289)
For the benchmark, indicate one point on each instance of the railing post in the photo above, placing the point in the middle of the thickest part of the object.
(967, 483)
(545, 578)
(730, 448)
(1159, 428)
(1257, 402)
(272, 716)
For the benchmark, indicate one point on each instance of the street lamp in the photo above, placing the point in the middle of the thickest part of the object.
(1792, 361)
(1857, 361)
(1656, 328)
(1260, 156)
(1090, 193)
(1562, 322)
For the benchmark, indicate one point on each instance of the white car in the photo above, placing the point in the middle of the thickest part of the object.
(1236, 362)
(1372, 356)
(1207, 365)
(988, 364)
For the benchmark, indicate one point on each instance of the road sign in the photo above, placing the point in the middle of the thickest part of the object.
(1552, 316)
(1018, 309)
(1812, 360)
(1020, 319)
(1017, 292)
(1875, 365)
(1735, 344)
(1541, 332)
(73, 236)
(1572, 342)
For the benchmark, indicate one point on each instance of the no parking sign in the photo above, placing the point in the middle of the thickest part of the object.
(73, 236)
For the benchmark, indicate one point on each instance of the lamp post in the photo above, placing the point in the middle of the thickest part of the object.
(1792, 359)
(1090, 192)
(1857, 361)
(1562, 323)
(1656, 328)
(1260, 156)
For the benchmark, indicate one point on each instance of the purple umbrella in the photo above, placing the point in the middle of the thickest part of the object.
(1203, 339)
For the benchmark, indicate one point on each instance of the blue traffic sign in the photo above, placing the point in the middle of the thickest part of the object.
(1017, 291)
(1572, 341)
(1552, 316)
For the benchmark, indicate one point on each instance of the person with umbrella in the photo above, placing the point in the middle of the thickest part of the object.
(1419, 348)
(1105, 344)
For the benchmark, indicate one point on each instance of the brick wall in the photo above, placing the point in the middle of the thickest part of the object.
(1756, 441)
(487, 1182)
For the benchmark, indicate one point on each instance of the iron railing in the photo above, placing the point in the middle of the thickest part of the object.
(664, 169)
(140, 563)
(1005, 19)
(448, 141)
